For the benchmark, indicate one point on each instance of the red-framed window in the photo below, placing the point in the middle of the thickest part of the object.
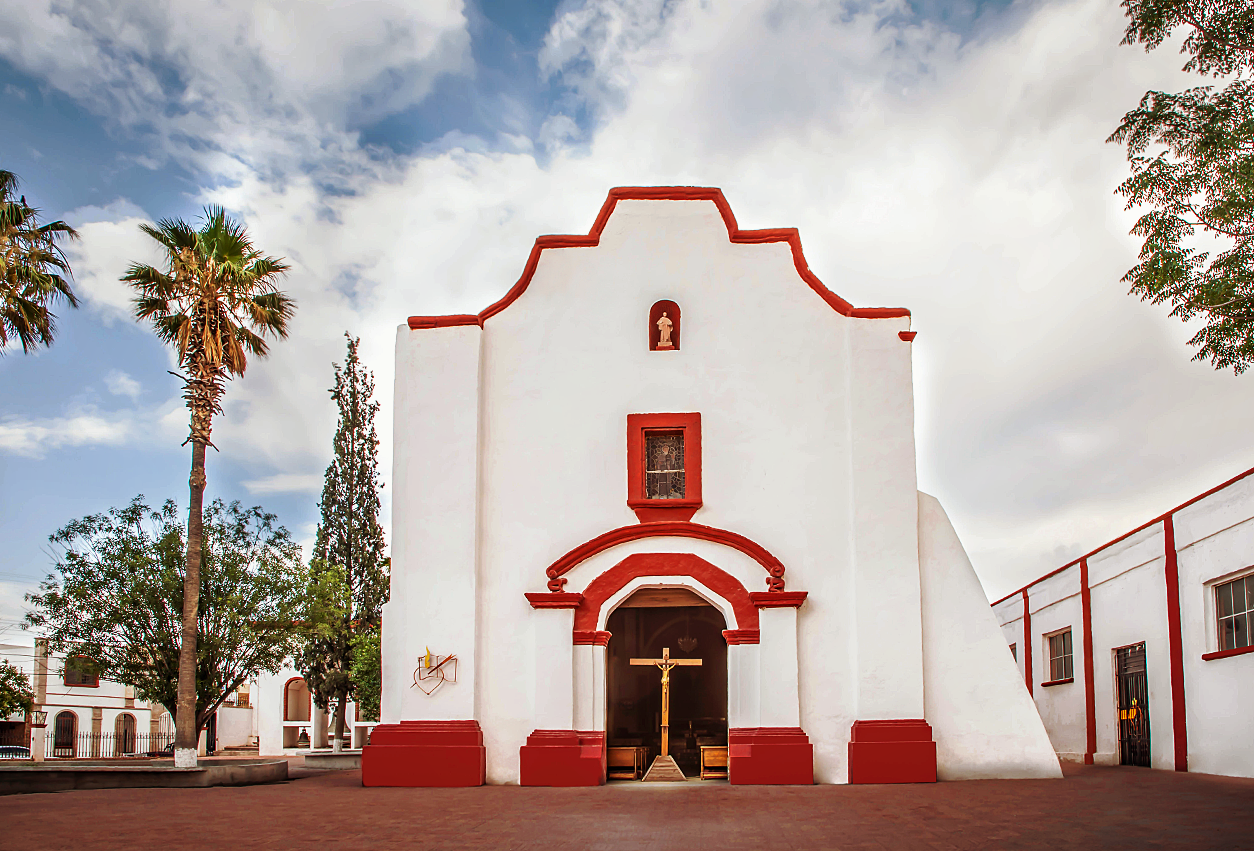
(664, 466)
(81, 671)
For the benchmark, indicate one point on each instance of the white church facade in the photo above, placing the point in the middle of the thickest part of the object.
(669, 437)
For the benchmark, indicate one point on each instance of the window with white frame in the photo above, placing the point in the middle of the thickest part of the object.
(1234, 608)
(1060, 655)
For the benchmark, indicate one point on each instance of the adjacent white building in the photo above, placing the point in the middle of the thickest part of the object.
(670, 436)
(1139, 653)
(88, 716)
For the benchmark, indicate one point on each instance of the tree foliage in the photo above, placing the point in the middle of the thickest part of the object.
(349, 571)
(16, 695)
(117, 598)
(1192, 163)
(368, 672)
(33, 270)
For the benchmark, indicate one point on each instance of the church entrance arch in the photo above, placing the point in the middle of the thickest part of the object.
(649, 623)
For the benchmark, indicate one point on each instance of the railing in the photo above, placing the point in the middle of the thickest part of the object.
(105, 745)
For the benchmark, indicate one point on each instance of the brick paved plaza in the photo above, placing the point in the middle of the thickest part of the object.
(1091, 808)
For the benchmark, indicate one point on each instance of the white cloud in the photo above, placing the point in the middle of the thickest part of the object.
(121, 384)
(110, 242)
(285, 483)
(34, 438)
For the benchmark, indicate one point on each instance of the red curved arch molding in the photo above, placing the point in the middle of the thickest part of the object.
(616, 578)
(667, 529)
(664, 193)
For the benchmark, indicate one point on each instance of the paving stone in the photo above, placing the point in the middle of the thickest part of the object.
(1092, 808)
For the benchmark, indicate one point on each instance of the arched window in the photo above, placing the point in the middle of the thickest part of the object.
(64, 734)
(664, 327)
(296, 700)
(124, 734)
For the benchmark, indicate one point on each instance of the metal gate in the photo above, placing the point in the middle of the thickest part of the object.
(1132, 690)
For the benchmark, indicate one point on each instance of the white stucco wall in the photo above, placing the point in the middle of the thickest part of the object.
(1214, 537)
(511, 450)
(983, 720)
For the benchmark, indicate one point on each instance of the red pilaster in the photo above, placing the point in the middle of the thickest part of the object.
(563, 758)
(892, 751)
(425, 753)
(1090, 705)
(769, 756)
(1027, 642)
(1172, 577)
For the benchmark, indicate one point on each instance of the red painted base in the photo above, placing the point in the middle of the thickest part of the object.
(769, 756)
(563, 758)
(897, 751)
(425, 753)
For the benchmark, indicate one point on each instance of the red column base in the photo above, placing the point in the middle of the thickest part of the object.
(769, 756)
(425, 753)
(897, 751)
(563, 758)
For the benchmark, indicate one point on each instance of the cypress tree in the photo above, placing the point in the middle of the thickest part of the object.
(348, 572)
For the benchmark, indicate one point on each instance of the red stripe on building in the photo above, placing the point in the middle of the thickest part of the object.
(1027, 642)
(1090, 705)
(1172, 576)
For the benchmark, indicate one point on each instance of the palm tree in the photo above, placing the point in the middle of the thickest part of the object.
(31, 268)
(215, 304)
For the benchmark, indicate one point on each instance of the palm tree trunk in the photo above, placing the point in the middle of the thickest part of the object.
(186, 728)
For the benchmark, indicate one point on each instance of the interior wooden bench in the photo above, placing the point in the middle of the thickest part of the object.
(713, 762)
(625, 763)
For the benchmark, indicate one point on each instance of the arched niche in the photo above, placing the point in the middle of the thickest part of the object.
(671, 309)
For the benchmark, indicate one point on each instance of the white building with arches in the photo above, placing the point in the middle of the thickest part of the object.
(670, 435)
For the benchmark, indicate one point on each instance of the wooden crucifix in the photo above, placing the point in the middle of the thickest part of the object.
(665, 664)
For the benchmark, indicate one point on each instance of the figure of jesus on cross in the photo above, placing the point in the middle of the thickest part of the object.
(664, 768)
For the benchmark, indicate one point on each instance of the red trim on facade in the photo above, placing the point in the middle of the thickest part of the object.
(551, 600)
(742, 636)
(1160, 518)
(669, 529)
(1090, 701)
(656, 510)
(671, 309)
(670, 193)
(418, 322)
(892, 751)
(771, 756)
(907, 336)
(563, 758)
(425, 753)
(598, 637)
(778, 599)
(1058, 682)
(1179, 728)
(1027, 642)
(1224, 654)
(616, 578)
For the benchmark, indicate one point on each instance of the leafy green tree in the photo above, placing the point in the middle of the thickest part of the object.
(16, 695)
(33, 270)
(368, 672)
(349, 571)
(215, 304)
(116, 597)
(1192, 161)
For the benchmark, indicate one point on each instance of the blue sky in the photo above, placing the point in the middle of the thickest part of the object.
(948, 157)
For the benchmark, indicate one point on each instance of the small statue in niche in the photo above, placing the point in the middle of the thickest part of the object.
(664, 326)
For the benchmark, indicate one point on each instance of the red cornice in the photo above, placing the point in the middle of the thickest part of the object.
(742, 636)
(778, 599)
(1224, 654)
(670, 528)
(551, 600)
(664, 193)
(597, 637)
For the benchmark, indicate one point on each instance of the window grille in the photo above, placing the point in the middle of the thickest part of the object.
(1060, 656)
(1234, 606)
(664, 465)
